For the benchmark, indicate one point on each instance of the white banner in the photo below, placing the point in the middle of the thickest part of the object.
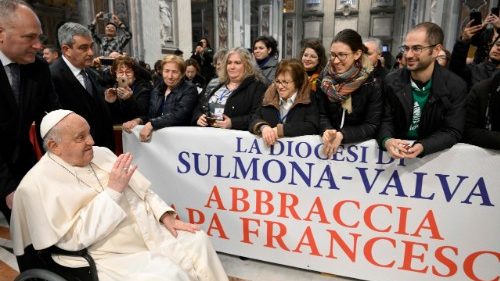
(359, 214)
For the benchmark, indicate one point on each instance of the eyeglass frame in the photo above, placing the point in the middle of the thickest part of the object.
(283, 83)
(415, 49)
(338, 56)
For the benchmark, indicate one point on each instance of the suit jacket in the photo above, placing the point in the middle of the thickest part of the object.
(37, 96)
(94, 109)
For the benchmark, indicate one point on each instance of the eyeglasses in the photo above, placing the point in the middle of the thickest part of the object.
(283, 83)
(121, 73)
(340, 56)
(417, 49)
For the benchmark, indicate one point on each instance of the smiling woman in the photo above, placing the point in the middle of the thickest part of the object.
(171, 102)
(232, 103)
(287, 109)
(350, 100)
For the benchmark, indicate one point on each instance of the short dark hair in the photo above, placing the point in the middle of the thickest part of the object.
(270, 43)
(352, 39)
(194, 63)
(112, 23)
(51, 48)
(318, 47)
(434, 33)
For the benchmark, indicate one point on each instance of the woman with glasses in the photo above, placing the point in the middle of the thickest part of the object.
(349, 100)
(129, 98)
(288, 109)
(232, 103)
(171, 102)
(313, 59)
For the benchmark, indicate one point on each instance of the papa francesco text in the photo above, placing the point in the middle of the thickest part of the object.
(352, 231)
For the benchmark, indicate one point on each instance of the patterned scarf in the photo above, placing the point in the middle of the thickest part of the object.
(313, 80)
(339, 87)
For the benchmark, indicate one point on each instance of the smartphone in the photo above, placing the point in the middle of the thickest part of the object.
(107, 16)
(122, 82)
(385, 48)
(494, 11)
(210, 120)
(106, 61)
(476, 18)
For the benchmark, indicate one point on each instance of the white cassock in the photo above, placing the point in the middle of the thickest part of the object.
(58, 204)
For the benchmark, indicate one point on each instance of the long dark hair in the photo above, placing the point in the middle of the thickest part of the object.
(352, 39)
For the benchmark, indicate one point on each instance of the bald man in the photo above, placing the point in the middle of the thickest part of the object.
(25, 94)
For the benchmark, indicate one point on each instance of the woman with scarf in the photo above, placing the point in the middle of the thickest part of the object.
(313, 59)
(265, 52)
(350, 101)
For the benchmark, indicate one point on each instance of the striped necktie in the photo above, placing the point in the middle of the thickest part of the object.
(15, 82)
(88, 84)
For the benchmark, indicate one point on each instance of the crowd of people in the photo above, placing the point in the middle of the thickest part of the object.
(345, 93)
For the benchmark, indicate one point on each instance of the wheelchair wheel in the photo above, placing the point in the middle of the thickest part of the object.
(39, 274)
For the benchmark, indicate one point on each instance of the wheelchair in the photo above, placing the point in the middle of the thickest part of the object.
(39, 265)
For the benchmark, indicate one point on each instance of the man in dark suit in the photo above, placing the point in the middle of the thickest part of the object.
(77, 85)
(25, 94)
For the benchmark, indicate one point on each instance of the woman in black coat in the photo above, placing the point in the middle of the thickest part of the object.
(288, 109)
(232, 103)
(350, 101)
(171, 103)
(129, 98)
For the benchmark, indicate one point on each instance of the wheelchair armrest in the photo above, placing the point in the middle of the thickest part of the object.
(81, 253)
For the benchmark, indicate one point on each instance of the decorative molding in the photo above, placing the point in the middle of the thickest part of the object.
(265, 19)
(222, 27)
(289, 37)
(167, 19)
(381, 26)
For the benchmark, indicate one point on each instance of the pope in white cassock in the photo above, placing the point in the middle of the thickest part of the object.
(79, 196)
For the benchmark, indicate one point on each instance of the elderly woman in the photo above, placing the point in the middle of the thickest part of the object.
(171, 103)
(129, 98)
(232, 104)
(350, 101)
(314, 60)
(288, 109)
(265, 51)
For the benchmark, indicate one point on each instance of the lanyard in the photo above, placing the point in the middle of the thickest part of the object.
(226, 93)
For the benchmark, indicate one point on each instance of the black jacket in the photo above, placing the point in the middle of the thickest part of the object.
(484, 97)
(94, 109)
(16, 151)
(443, 117)
(176, 109)
(302, 118)
(362, 123)
(240, 105)
(471, 73)
(136, 106)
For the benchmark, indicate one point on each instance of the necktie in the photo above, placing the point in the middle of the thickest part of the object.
(15, 80)
(86, 81)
